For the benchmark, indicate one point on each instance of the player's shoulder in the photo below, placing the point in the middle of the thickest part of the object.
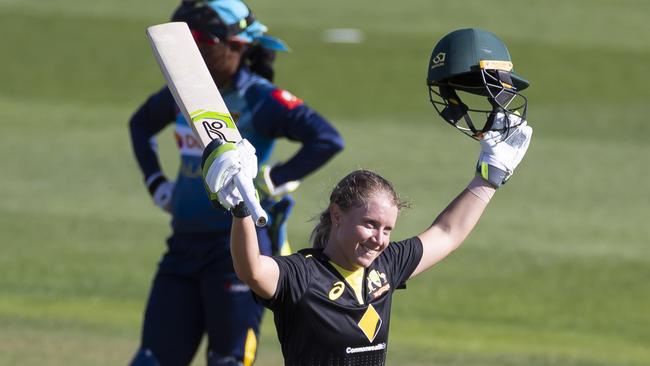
(161, 102)
(162, 96)
(300, 267)
(402, 247)
(312, 254)
(258, 88)
(307, 257)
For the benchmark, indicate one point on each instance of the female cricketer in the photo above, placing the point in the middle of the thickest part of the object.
(332, 302)
(195, 290)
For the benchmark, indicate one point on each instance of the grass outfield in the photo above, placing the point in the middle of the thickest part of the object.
(556, 273)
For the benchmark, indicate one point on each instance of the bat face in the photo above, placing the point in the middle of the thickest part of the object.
(198, 98)
(191, 84)
(211, 125)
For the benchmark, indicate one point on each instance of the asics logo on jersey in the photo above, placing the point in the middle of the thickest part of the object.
(336, 291)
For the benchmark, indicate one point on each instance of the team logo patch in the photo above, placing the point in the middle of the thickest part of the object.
(377, 283)
(439, 60)
(286, 99)
(370, 323)
(336, 291)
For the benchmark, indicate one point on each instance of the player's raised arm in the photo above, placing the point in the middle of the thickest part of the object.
(472, 62)
(221, 163)
(499, 157)
(258, 271)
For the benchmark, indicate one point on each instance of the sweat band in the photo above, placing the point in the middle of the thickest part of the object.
(481, 189)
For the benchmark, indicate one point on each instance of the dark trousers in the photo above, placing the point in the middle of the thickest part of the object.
(196, 291)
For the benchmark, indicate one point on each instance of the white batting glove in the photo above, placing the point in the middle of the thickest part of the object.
(224, 163)
(161, 191)
(248, 158)
(265, 185)
(500, 154)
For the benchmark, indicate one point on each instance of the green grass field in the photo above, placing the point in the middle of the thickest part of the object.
(555, 274)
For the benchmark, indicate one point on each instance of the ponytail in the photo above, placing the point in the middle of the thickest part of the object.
(260, 60)
(321, 233)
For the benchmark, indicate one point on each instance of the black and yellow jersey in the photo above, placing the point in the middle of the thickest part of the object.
(320, 320)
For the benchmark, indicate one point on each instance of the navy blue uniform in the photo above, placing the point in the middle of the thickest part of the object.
(196, 289)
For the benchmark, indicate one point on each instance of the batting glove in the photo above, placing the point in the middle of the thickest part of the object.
(161, 191)
(221, 162)
(265, 185)
(500, 154)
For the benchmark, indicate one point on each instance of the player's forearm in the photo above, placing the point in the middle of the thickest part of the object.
(460, 217)
(320, 142)
(147, 121)
(259, 272)
(144, 153)
(309, 158)
(454, 224)
(244, 247)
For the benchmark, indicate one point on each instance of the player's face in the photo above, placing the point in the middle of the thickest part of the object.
(222, 59)
(362, 233)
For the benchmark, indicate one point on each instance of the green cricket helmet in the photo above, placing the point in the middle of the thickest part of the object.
(476, 63)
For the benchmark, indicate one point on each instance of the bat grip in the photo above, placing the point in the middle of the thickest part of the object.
(247, 191)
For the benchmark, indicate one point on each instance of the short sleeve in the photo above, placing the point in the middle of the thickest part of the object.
(402, 258)
(292, 282)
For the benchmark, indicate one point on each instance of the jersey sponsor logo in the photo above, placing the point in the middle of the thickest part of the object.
(376, 347)
(377, 283)
(370, 323)
(187, 142)
(236, 287)
(286, 99)
(336, 291)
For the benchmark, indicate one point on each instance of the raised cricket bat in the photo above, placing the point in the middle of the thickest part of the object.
(197, 96)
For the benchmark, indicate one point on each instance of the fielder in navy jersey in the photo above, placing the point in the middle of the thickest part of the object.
(195, 289)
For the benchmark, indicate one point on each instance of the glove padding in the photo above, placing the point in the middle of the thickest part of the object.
(501, 154)
(221, 162)
(265, 185)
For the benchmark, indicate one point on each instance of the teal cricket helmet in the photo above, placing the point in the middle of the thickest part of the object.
(477, 62)
(226, 19)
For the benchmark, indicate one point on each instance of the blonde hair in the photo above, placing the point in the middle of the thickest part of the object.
(354, 190)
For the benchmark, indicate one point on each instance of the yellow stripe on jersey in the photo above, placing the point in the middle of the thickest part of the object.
(250, 348)
(354, 279)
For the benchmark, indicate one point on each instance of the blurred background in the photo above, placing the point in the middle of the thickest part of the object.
(557, 272)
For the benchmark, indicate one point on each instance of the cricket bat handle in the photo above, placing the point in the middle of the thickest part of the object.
(247, 191)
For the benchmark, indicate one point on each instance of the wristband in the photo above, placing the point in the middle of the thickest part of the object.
(495, 176)
(240, 211)
(154, 181)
